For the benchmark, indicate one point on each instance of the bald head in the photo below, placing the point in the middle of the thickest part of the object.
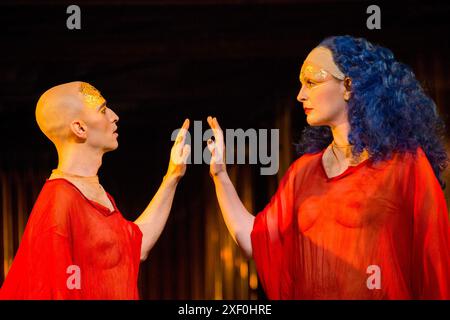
(60, 105)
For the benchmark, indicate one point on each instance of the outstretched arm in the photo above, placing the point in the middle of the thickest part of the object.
(153, 219)
(238, 220)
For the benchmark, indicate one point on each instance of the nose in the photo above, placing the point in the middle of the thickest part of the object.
(114, 116)
(301, 97)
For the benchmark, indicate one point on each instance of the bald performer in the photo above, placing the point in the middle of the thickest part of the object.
(76, 244)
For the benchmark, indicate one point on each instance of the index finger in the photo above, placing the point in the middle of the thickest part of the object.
(185, 125)
(216, 123)
(182, 132)
(210, 122)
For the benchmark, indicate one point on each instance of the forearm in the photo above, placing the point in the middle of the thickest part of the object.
(153, 219)
(238, 220)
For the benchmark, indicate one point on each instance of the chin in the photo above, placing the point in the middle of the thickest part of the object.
(312, 122)
(111, 148)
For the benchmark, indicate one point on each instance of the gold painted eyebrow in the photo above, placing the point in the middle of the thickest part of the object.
(101, 106)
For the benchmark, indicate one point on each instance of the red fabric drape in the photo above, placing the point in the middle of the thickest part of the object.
(320, 237)
(66, 229)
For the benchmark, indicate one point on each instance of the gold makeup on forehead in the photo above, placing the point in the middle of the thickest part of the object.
(312, 73)
(91, 95)
(323, 59)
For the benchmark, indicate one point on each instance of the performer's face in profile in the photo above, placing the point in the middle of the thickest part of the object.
(323, 94)
(101, 121)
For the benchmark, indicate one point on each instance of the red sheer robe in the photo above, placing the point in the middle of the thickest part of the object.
(327, 238)
(66, 229)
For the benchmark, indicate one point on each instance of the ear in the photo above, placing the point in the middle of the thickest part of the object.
(347, 88)
(79, 129)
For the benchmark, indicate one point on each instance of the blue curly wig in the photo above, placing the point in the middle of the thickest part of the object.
(388, 109)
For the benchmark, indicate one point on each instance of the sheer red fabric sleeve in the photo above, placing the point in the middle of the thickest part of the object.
(431, 238)
(272, 239)
(39, 270)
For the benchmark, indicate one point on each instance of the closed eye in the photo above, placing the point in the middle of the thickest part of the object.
(310, 83)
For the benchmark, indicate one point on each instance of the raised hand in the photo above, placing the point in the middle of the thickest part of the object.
(217, 148)
(238, 220)
(152, 221)
(179, 154)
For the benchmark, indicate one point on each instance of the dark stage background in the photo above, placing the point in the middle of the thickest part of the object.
(158, 62)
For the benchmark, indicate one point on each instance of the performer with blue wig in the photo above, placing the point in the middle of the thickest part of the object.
(361, 213)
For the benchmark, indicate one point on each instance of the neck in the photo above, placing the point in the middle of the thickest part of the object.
(79, 160)
(340, 134)
(341, 146)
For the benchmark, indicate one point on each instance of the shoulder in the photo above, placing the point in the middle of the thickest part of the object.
(58, 189)
(408, 166)
(411, 159)
(54, 204)
(305, 163)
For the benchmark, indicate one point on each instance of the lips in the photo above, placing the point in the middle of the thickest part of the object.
(307, 110)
